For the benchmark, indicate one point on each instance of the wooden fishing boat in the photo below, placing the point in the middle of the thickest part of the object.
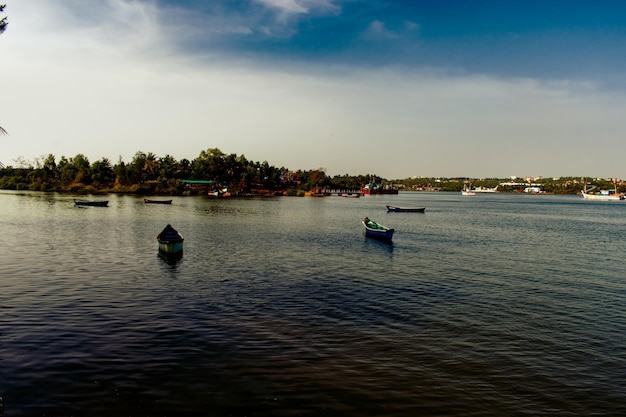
(148, 201)
(407, 209)
(375, 230)
(103, 203)
(170, 241)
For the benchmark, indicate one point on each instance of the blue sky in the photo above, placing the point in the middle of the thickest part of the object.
(393, 88)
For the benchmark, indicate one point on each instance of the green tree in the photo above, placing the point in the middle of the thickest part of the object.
(345, 182)
(50, 167)
(67, 171)
(102, 172)
(121, 178)
(209, 165)
(234, 169)
(185, 169)
(150, 167)
(249, 176)
(144, 167)
(82, 167)
(167, 168)
(317, 178)
(133, 168)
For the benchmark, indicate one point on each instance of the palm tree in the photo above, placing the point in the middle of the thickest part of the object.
(3, 21)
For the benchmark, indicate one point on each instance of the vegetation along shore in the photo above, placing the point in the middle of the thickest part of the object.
(215, 171)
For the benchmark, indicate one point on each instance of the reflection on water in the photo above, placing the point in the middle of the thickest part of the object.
(171, 259)
(381, 245)
(495, 305)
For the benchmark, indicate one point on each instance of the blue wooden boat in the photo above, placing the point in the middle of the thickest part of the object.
(407, 209)
(375, 230)
(170, 241)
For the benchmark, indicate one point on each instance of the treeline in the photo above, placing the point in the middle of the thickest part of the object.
(150, 174)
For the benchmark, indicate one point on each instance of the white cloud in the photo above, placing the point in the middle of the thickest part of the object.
(377, 31)
(302, 6)
(104, 30)
(75, 91)
(290, 11)
(286, 6)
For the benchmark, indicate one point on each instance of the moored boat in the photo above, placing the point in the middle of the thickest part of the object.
(148, 201)
(170, 241)
(375, 230)
(219, 192)
(103, 203)
(407, 209)
(467, 190)
(604, 195)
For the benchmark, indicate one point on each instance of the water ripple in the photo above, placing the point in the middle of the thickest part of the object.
(496, 306)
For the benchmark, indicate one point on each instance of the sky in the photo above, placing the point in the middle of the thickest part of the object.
(398, 89)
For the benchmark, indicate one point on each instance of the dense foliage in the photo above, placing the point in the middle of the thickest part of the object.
(150, 174)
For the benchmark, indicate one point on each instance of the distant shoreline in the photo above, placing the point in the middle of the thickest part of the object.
(218, 173)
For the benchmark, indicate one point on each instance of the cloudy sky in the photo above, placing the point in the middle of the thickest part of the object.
(394, 88)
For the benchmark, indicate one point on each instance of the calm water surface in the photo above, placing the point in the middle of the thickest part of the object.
(492, 305)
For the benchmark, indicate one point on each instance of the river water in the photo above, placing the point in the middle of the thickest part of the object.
(491, 305)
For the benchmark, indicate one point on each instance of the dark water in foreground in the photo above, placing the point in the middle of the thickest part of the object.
(493, 305)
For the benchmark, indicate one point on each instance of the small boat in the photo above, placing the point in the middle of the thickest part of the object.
(219, 192)
(407, 209)
(170, 241)
(148, 201)
(375, 230)
(467, 191)
(103, 203)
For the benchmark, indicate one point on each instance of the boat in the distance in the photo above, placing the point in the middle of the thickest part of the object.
(101, 203)
(149, 201)
(604, 195)
(485, 189)
(467, 190)
(375, 230)
(407, 209)
(170, 241)
(378, 189)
